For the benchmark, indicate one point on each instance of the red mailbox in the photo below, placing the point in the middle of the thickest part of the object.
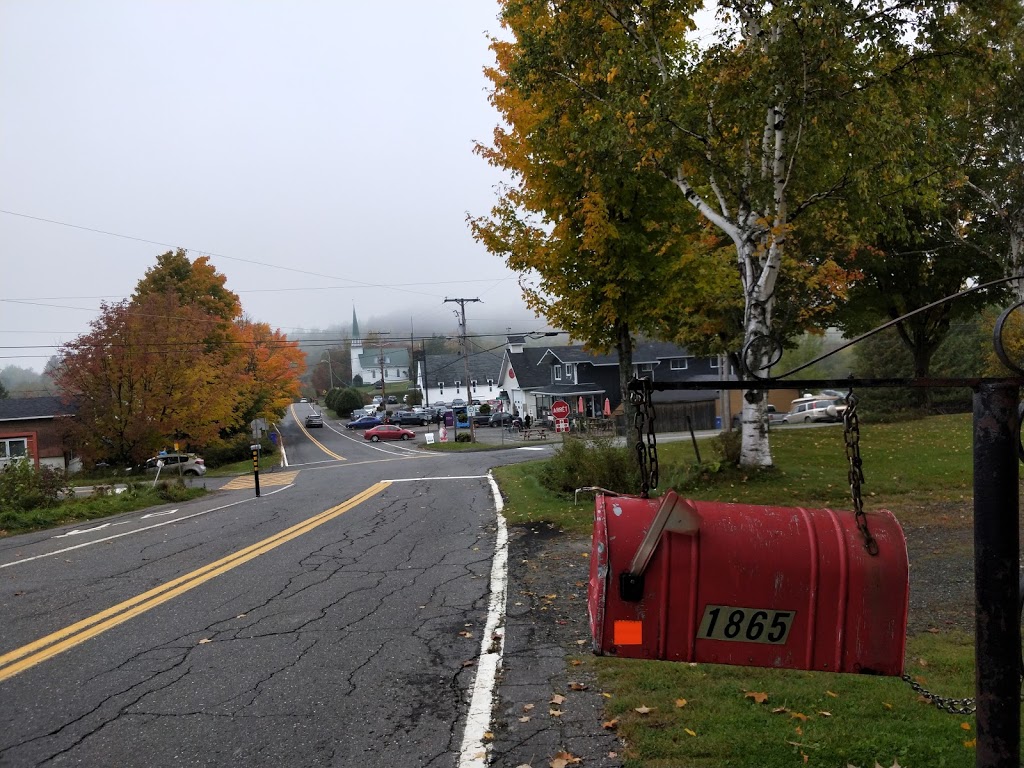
(749, 585)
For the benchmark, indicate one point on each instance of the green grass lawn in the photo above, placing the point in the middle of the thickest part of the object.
(905, 466)
(713, 716)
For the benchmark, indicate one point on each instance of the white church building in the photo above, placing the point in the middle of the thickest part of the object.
(373, 361)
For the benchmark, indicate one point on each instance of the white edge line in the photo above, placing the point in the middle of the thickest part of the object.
(474, 750)
(137, 530)
(444, 477)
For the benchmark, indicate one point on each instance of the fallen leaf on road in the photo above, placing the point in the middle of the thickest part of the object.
(557, 699)
(575, 662)
(528, 707)
(610, 724)
(555, 712)
(465, 634)
(581, 642)
(524, 719)
(240, 616)
(468, 663)
(488, 736)
(577, 686)
(562, 759)
(205, 640)
(642, 710)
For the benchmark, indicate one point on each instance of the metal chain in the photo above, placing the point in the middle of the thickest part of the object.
(945, 703)
(646, 453)
(851, 435)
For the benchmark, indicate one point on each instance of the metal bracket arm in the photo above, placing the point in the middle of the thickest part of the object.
(675, 515)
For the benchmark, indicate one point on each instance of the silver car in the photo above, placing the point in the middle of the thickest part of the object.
(177, 463)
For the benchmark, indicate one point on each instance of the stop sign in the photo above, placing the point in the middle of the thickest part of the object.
(560, 409)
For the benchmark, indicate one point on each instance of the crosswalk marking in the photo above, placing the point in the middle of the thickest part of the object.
(266, 479)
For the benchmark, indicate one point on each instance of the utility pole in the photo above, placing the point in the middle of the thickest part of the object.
(423, 371)
(465, 357)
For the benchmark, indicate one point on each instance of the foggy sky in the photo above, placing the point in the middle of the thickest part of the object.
(320, 151)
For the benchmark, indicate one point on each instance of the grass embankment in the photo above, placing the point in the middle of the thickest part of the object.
(104, 503)
(671, 714)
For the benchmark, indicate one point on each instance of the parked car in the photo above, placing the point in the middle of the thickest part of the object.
(392, 400)
(481, 419)
(503, 418)
(807, 409)
(774, 417)
(377, 399)
(364, 422)
(410, 417)
(314, 420)
(458, 401)
(184, 463)
(388, 432)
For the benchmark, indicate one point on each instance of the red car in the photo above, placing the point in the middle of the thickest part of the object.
(388, 432)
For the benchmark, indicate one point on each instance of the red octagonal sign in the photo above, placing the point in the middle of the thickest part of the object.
(560, 409)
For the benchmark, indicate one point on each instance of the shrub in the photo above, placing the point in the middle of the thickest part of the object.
(590, 461)
(173, 490)
(347, 401)
(235, 448)
(727, 445)
(23, 486)
(463, 437)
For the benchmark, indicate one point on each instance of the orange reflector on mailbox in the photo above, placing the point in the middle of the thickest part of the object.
(746, 584)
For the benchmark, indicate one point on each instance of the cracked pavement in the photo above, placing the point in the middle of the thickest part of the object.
(352, 644)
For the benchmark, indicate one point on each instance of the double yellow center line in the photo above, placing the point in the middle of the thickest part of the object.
(44, 648)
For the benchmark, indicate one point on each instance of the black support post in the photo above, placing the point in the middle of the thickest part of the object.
(996, 575)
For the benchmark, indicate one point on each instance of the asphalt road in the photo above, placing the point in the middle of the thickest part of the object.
(335, 620)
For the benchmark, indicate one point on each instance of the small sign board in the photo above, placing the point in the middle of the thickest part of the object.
(561, 425)
(430, 438)
(560, 409)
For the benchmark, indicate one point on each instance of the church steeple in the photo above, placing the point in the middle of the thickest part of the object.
(356, 340)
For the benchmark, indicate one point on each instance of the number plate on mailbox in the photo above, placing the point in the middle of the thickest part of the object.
(745, 625)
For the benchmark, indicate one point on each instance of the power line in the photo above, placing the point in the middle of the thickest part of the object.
(201, 252)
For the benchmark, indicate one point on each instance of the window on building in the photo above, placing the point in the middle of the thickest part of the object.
(13, 449)
(679, 364)
(558, 373)
(569, 367)
(647, 367)
(714, 363)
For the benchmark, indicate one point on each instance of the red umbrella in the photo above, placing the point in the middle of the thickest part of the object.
(607, 407)
(579, 405)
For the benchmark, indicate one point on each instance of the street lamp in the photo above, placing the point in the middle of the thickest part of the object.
(330, 367)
